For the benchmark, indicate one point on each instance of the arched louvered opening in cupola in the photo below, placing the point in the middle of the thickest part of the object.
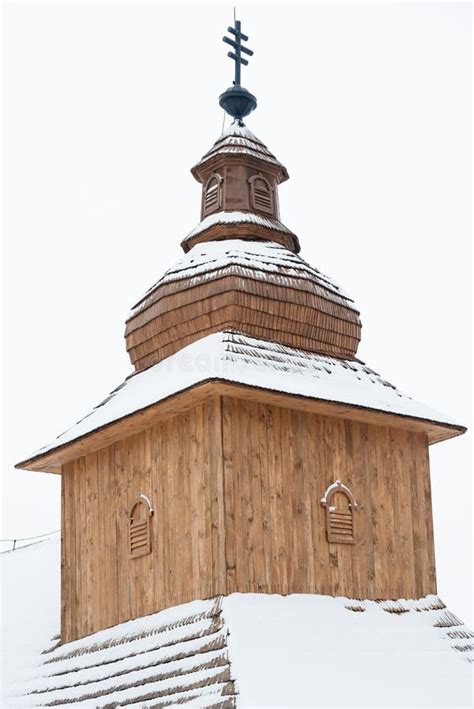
(140, 526)
(261, 194)
(212, 195)
(340, 505)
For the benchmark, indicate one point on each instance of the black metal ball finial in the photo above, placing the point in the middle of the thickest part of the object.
(237, 101)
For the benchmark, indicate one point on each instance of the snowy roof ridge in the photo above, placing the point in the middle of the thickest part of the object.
(241, 130)
(232, 357)
(209, 652)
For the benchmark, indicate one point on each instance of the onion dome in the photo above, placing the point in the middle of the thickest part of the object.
(258, 288)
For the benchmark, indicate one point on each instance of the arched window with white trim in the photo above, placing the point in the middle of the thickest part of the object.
(139, 526)
(340, 506)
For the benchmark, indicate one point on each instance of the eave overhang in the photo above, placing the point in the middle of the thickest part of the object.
(127, 425)
(224, 231)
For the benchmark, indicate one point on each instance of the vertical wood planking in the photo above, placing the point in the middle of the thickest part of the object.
(194, 485)
(366, 525)
(157, 490)
(245, 570)
(430, 579)
(236, 487)
(67, 555)
(81, 548)
(316, 454)
(216, 461)
(343, 465)
(231, 505)
(417, 526)
(275, 493)
(255, 476)
(119, 454)
(357, 478)
(264, 456)
(378, 503)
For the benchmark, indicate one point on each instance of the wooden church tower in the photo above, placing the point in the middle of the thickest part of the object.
(250, 450)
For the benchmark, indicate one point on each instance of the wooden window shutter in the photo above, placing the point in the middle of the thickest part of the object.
(212, 194)
(261, 194)
(340, 505)
(139, 527)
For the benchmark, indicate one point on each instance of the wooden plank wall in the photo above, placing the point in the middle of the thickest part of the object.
(278, 464)
(237, 489)
(178, 465)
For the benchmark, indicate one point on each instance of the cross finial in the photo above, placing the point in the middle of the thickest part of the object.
(237, 101)
(239, 48)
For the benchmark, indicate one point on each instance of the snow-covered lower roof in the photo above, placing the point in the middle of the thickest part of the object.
(235, 358)
(244, 650)
(176, 656)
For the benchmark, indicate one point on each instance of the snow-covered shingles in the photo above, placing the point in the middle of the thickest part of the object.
(319, 651)
(232, 357)
(259, 257)
(237, 138)
(238, 218)
(172, 657)
(249, 650)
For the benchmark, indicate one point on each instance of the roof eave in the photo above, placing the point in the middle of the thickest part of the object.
(53, 460)
(242, 230)
(203, 168)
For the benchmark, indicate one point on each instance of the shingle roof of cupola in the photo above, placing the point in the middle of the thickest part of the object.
(237, 139)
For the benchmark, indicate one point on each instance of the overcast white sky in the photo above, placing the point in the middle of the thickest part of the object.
(107, 106)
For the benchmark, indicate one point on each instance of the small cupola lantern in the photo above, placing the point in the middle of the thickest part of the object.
(239, 174)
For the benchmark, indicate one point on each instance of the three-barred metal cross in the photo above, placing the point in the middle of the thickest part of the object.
(239, 48)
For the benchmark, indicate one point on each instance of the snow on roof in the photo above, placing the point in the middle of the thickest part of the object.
(319, 651)
(238, 129)
(30, 608)
(232, 357)
(237, 218)
(237, 138)
(248, 650)
(259, 257)
(177, 655)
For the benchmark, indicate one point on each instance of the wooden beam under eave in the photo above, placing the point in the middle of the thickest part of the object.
(52, 461)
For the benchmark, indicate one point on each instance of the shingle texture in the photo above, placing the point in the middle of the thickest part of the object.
(244, 650)
(177, 656)
(262, 260)
(235, 358)
(238, 139)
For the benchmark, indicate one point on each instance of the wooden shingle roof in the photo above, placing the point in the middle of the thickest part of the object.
(231, 363)
(243, 650)
(174, 657)
(237, 139)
